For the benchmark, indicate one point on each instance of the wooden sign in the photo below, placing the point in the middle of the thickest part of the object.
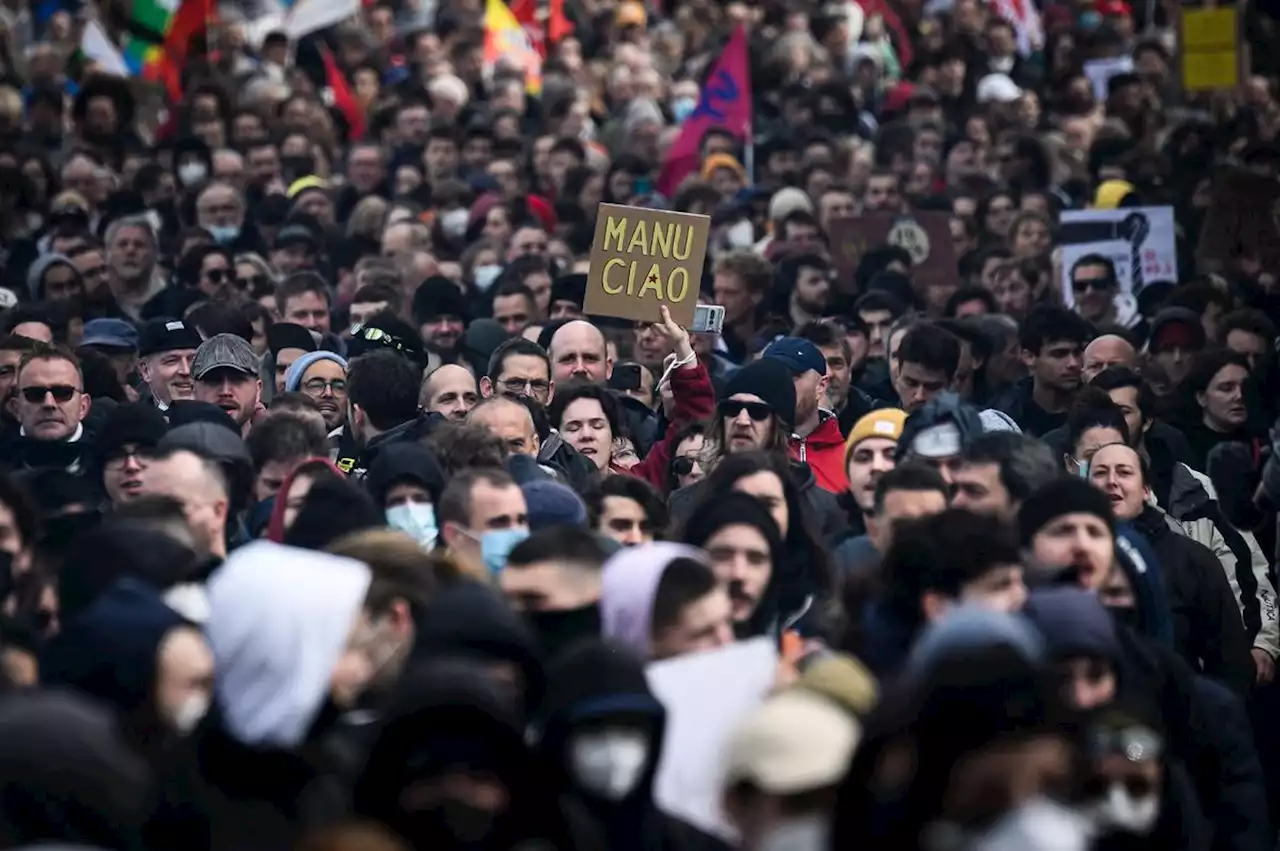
(641, 259)
(925, 236)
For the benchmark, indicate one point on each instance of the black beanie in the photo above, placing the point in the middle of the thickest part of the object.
(438, 296)
(137, 423)
(333, 508)
(772, 382)
(1064, 496)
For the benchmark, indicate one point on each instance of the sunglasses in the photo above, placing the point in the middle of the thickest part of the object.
(1096, 284)
(251, 282)
(758, 411)
(61, 393)
(217, 276)
(682, 465)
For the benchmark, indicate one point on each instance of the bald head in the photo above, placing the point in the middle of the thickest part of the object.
(510, 421)
(450, 390)
(578, 352)
(201, 489)
(1108, 350)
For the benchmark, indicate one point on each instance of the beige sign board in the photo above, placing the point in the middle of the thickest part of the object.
(641, 259)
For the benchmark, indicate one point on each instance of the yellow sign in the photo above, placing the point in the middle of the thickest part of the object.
(1210, 41)
(641, 259)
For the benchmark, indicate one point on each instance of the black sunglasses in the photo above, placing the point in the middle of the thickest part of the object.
(61, 393)
(1095, 284)
(758, 411)
(251, 282)
(216, 276)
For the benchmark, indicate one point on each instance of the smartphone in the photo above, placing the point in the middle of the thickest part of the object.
(708, 319)
(626, 376)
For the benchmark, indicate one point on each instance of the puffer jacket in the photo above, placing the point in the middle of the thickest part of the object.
(823, 451)
(1193, 507)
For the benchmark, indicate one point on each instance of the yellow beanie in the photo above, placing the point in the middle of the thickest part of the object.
(885, 422)
(1110, 193)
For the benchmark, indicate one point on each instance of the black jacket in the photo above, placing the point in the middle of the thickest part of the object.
(1208, 632)
(1238, 812)
(1018, 403)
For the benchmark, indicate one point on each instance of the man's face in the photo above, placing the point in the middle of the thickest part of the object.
(1095, 291)
(231, 390)
(836, 205)
(962, 381)
(272, 475)
(1107, 351)
(511, 424)
(870, 459)
(1256, 349)
(493, 507)
(839, 375)
(548, 586)
(451, 392)
(528, 242)
(308, 309)
(1126, 398)
(704, 624)
(441, 158)
(442, 333)
(979, 489)
(744, 565)
(51, 401)
(284, 360)
(363, 311)
(731, 292)
(916, 385)
(364, 168)
(1077, 540)
(122, 473)
(326, 382)
(813, 290)
(900, 506)
(882, 194)
(748, 422)
(878, 323)
(1059, 365)
(623, 519)
(216, 277)
(131, 254)
(168, 374)
(92, 266)
(181, 477)
(578, 352)
(512, 312)
(524, 375)
(11, 541)
(1176, 361)
(811, 391)
(61, 283)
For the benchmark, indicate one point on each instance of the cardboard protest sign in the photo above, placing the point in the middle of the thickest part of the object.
(1242, 223)
(1210, 42)
(706, 696)
(641, 259)
(925, 236)
(1115, 250)
(1149, 232)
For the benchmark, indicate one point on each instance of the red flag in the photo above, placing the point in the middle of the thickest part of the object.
(558, 24)
(191, 18)
(526, 14)
(343, 98)
(725, 102)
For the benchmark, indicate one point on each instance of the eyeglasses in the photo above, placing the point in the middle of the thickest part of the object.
(316, 386)
(758, 411)
(216, 276)
(117, 458)
(682, 465)
(251, 282)
(61, 393)
(536, 386)
(1096, 284)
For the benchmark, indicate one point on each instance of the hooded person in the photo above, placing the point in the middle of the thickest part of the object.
(69, 779)
(746, 550)
(293, 648)
(601, 741)
(130, 650)
(334, 507)
(406, 481)
(470, 622)
(450, 769)
(288, 500)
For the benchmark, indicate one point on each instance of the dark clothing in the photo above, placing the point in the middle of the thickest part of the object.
(355, 460)
(18, 452)
(579, 470)
(1019, 403)
(1203, 439)
(1208, 633)
(1238, 812)
(858, 404)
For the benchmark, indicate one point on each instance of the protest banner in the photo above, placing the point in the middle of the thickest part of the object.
(1100, 72)
(706, 696)
(1149, 232)
(925, 236)
(1241, 224)
(1115, 250)
(1210, 48)
(641, 259)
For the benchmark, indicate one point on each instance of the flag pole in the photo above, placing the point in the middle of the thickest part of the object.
(749, 155)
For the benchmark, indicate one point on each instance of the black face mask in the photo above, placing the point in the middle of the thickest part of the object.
(1129, 617)
(557, 631)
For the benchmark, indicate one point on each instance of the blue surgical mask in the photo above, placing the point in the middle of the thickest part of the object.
(682, 108)
(1090, 20)
(224, 234)
(417, 520)
(496, 546)
(1082, 468)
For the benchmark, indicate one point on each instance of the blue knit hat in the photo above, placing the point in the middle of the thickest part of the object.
(553, 504)
(293, 378)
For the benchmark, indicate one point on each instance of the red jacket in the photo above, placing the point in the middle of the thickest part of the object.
(695, 400)
(823, 451)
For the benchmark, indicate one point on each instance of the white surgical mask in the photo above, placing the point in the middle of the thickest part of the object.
(454, 223)
(609, 763)
(740, 234)
(191, 713)
(1037, 825)
(417, 520)
(1120, 810)
(191, 173)
(485, 275)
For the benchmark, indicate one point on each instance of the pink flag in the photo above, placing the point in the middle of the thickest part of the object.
(725, 102)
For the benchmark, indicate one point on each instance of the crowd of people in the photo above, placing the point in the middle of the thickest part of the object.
(329, 520)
